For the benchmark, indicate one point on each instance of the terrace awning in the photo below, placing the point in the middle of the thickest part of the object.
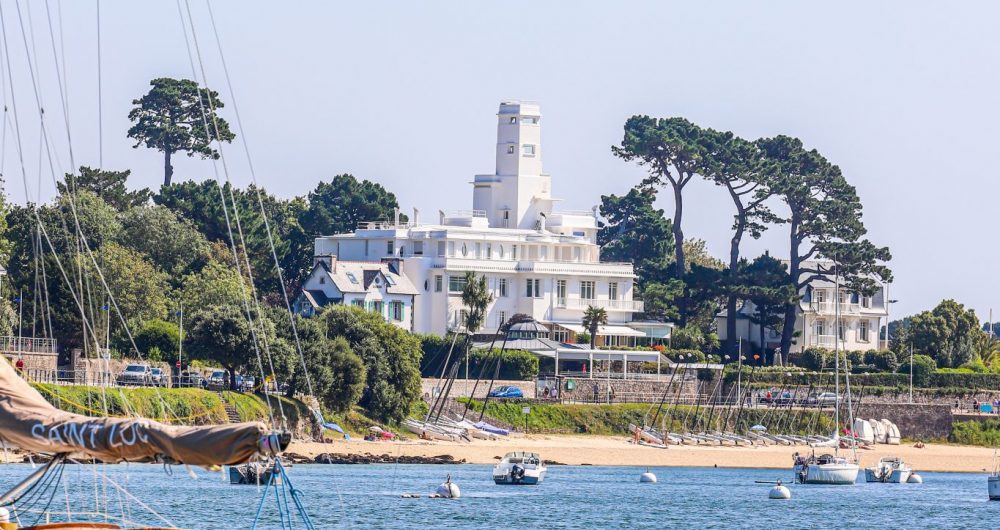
(620, 331)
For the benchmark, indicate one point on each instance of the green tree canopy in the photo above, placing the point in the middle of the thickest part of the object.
(176, 115)
(217, 284)
(173, 243)
(158, 340)
(391, 357)
(223, 334)
(948, 333)
(636, 232)
(336, 207)
(106, 184)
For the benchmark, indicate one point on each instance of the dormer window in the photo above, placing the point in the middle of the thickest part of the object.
(528, 150)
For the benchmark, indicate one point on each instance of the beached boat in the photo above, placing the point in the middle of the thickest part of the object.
(891, 432)
(878, 430)
(889, 469)
(519, 468)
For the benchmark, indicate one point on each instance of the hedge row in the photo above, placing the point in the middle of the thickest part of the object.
(933, 380)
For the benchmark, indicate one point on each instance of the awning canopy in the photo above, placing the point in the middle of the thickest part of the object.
(623, 331)
(575, 354)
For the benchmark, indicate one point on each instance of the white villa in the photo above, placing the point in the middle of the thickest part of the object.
(375, 286)
(860, 319)
(538, 260)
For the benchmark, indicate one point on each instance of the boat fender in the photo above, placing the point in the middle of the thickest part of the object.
(779, 492)
(915, 479)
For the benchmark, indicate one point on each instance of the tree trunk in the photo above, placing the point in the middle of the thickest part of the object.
(734, 264)
(679, 267)
(761, 315)
(788, 329)
(168, 170)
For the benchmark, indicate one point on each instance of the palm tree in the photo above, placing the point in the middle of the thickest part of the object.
(987, 348)
(593, 319)
(476, 297)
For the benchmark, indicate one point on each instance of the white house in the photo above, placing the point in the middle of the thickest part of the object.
(860, 318)
(376, 286)
(538, 260)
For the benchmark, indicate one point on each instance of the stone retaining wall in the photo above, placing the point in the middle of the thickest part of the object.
(915, 420)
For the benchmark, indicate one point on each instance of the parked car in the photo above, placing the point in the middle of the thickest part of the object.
(785, 398)
(137, 375)
(824, 399)
(218, 380)
(506, 392)
(157, 377)
(248, 383)
(191, 379)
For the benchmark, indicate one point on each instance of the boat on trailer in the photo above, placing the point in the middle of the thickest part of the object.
(890, 469)
(521, 468)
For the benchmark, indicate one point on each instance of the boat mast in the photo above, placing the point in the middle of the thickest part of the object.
(836, 357)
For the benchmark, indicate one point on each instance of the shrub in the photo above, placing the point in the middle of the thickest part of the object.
(923, 368)
(435, 349)
(884, 360)
(815, 359)
(688, 338)
(514, 364)
(685, 355)
(975, 365)
(583, 338)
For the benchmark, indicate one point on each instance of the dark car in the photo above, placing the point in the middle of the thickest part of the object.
(784, 399)
(506, 392)
(136, 374)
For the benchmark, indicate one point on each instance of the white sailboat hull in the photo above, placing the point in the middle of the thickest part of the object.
(834, 474)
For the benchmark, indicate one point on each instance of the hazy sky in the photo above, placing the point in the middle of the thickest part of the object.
(902, 95)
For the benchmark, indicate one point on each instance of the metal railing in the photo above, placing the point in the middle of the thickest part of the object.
(28, 345)
(583, 303)
(464, 213)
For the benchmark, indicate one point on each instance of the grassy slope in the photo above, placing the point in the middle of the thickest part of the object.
(190, 406)
(614, 419)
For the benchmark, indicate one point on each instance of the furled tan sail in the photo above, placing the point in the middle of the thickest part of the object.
(28, 421)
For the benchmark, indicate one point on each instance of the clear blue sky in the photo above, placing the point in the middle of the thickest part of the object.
(902, 95)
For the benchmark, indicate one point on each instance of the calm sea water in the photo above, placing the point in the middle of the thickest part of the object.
(368, 496)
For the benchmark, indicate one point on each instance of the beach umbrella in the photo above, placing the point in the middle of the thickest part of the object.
(758, 427)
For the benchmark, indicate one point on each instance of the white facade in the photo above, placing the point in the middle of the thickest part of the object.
(537, 260)
(374, 286)
(860, 319)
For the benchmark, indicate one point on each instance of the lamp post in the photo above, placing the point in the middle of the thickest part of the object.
(180, 339)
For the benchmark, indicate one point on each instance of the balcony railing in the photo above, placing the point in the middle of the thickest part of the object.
(634, 306)
(829, 308)
(28, 345)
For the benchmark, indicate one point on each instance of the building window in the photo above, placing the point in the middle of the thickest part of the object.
(500, 251)
(456, 284)
(842, 330)
(612, 290)
(533, 288)
(489, 251)
(438, 283)
(513, 252)
(501, 318)
(866, 302)
(529, 120)
(587, 290)
(820, 296)
(366, 247)
(377, 307)
(479, 250)
(389, 247)
(561, 292)
(502, 287)
(396, 309)
(357, 303)
(442, 248)
(465, 250)
(451, 248)
(820, 328)
(510, 149)
(418, 248)
(560, 336)
(863, 331)
(513, 119)
(528, 150)
(322, 279)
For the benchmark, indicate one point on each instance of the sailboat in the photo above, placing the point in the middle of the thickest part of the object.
(831, 468)
(993, 481)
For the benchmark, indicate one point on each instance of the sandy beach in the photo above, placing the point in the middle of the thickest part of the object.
(618, 451)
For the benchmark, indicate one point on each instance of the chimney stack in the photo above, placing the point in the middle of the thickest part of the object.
(416, 217)
(395, 217)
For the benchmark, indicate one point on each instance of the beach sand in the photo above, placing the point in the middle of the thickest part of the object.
(618, 451)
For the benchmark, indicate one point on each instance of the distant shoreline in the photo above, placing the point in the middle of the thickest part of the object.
(618, 451)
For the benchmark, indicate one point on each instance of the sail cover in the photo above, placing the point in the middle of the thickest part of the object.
(30, 422)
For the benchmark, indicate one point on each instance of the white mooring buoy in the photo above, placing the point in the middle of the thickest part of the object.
(4, 515)
(915, 479)
(647, 477)
(779, 491)
(449, 490)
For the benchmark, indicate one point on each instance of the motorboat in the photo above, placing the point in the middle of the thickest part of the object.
(824, 469)
(889, 469)
(519, 467)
